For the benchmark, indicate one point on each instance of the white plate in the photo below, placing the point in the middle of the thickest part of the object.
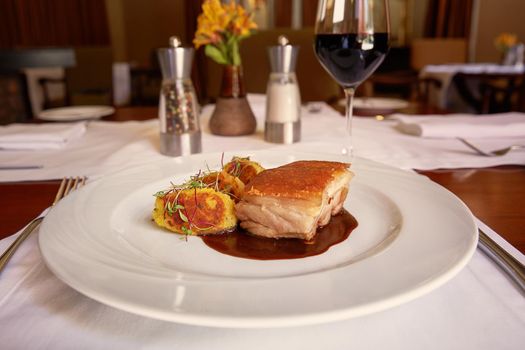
(412, 237)
(75, 113)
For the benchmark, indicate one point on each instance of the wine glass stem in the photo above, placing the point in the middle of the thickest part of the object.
(349, 95)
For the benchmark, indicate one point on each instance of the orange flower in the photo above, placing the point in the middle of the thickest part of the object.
(242, 23)
(211, 22)
(222, 26)
(505, 41)
(215, 15)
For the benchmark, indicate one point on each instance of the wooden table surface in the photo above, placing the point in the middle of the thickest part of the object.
(495, 195)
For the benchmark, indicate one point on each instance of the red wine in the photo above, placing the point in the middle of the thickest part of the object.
(347, 60)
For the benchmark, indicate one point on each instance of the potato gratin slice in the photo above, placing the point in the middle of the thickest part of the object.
(205, 204)
(195, 211)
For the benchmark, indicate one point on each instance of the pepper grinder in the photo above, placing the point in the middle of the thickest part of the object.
(180, 132)
(283, 102)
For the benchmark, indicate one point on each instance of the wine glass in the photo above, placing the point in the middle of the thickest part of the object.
(351, 41)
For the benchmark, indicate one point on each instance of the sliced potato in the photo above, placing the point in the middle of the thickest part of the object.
(243, 168)
(226, 183)
(195, 211)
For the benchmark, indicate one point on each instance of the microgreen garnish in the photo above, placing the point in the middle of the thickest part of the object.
(186, 230)
(237, 169)
(182, 216)
(173, 207)
(160, 194)
(169, 207)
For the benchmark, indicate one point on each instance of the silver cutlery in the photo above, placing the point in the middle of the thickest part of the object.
(21, 167)
(510, 265)
(495, 153)
(66, 186)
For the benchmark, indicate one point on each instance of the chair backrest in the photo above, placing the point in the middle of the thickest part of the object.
(437, 51)
(15, 101)
(315, 83)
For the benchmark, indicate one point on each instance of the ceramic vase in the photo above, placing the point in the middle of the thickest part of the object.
(233, 115)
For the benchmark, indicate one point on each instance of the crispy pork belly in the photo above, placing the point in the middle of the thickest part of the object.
(291, 201)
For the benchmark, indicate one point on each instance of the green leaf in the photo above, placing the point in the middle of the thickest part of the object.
(186, 230)
(225, 48)
(215, 54)
(182, 216)
(236, 57)
(196, 184)
(229, 40)
(169, 207)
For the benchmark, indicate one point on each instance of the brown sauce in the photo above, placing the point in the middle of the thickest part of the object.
(241, 244)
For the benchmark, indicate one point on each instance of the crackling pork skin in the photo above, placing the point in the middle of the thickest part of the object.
(293, 200)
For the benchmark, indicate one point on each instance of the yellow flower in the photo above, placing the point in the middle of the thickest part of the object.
(211, 22)
(505, 41)
(207, 33)
(215, 14)
(242, 23)
(220, 27)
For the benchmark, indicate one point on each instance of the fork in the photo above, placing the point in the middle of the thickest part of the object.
(66, 186)
(495, 153)
(510, 265)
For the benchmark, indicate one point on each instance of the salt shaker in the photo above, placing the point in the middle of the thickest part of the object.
(180, 132)
(283, 103)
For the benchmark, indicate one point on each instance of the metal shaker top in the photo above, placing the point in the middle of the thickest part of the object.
(175, 61)
(283, 57)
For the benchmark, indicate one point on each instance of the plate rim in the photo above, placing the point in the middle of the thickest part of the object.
(99, 111)
(272, 321)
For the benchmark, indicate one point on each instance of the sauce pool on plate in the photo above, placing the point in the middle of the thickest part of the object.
(241, 244)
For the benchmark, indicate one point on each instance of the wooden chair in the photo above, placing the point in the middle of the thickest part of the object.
(496, 93)
(15, 105)
(400, 71)
(425, 51)
(394, 77)
(45, 85)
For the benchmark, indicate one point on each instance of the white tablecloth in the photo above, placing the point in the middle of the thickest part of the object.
(478, 309)
(109, 146)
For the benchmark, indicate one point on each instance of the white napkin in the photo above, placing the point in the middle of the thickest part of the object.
(463, 125)
(39, 136)
(109, 146)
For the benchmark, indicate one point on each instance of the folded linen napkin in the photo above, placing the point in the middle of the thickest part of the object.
(39, 136)
(462, 125)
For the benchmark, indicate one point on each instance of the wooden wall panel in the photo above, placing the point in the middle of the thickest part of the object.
(34, 23)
